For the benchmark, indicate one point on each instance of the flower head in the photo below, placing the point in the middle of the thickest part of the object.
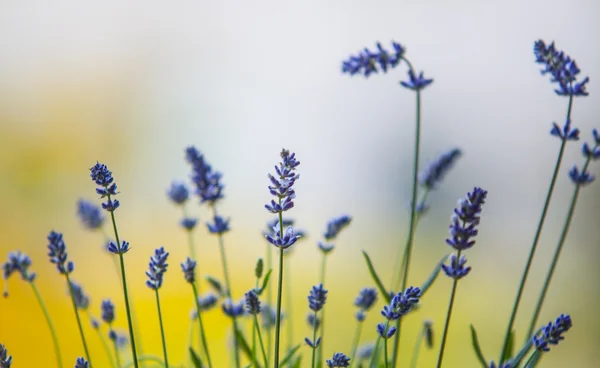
(188, 223)
(283, 182)
(288, 239)
(317, 298)
(566, 133)
(157, 268)
(338, 360)
(106, 186)
(465, 220)
(81, 363)
(82, 301)
(367, 62)
(178, 193)
(232, 309)
(416, 83)
(435, 172)
(112, 247)
(401, 303)
(456, 269)
(335, 225)
(89, 214)
(120, 339)
(17, 262)
(219, 225)
(562, 68)
(385, 332)
(589, 152)
(313, 344)
(207, 301)
(189, 267)
(252, 302)
(207, 182)
(108, 311)
(5, 359)
(366, 299)
(551, 334)
(325, 247)
(580, 178)
(57, 251)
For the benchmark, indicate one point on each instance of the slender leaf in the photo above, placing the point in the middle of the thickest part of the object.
(510, 347)
(521, 354)
(216, 284)
(245, 347)
(436, 271)
(298, 362)
(195, 359)
(265, 282)
(536, 359)
(477, 348)
(376, 278)
(289, 355)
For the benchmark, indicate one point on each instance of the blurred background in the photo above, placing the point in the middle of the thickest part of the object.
(132, 85)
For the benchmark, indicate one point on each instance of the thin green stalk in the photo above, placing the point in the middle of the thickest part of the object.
(125, 294)
(202, 335)
(117, 356)
(269, 262)
(260, 340)
(561, 242)
(374, 356)
(322, 324)
(536, 239)
(103, 341)
(162, 331)
(531, 358)
(417, 349)
(189, 345)
(279, 292)
(289, 304)
(448, 315)
(50, 325)
(385, 353)
(355, 342)
(85, 348)
(413, 216)
(314, 340)
(228, 285)
(254, 333)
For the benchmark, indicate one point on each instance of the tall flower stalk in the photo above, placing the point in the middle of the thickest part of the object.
(57, 251)
(20, 263)
(564, 72)
(368, 62)
(96, 326)
(579, 179)
(156, 270)
(462, 231)
(107, 188)
(282, 188)
(316, 300)
(253, 307)
(365, 300)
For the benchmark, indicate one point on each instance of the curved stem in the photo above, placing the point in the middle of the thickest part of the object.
(314, 340)
(269, 264)
(162, 331)
(279, 292)
(260, 340)
(531, 358)
(355, 342)
(85, 348)
(322, 324)
(536, 239)
(289, 304)
(413, 216)
(385, 353)
(103, 341)
(50, 325)
(228, 285)
(202, 335)
(448, 315)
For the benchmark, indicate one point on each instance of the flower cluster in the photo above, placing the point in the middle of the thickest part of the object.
(82, 301)
(338, 360)
(252, 302)
(416, 83)
(218, 226)
(364, 301)
(401, 303)
(207, 182)
(368, 62)
(551, 334)
(112, 247)
(57, 251)
(282, 184)
(108, 311)
(384, 331)
(189, 267)
(106, 186)
(566, 133)
(17, 262)
(591, 153)
(5, 359)
(335, 225)
(90, 214)
(317, 298)
(81, 363)
(234, 310)
(435, 172)
(562, 68)
(157, 268)
(178, 193)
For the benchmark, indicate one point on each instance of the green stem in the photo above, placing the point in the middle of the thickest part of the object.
(103, 341)
(413, 215)
(417, 349)
(228, 285)
(279, 292)
(162, 331)
(202, 335)
(448, 315)
(355, 342)
(536, 239)
(269, 263)
(190, 344)
(289, 305)
(117, 356)
(385, 353)
(260, 340)
(254, 331)
(314, 340)
(561, 242)
(322, 324)
(85, 348)
(531, 358)
(374, 356)
(50, 325)
(125, 294)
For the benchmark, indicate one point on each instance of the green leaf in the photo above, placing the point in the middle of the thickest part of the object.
(510, 347)
(245, 347)
(436, 271)
(521, 354)
(216, 284)
(298, 362)
(477, 348)
(195, 359)
(376, 278)
(265, 282)
(289, 355)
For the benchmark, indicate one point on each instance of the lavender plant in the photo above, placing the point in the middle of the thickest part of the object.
(399, 299)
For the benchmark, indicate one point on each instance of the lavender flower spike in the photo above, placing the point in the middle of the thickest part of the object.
(207, 182)
(435, 172)
(89, 214)
(57, 251)
(17, 262)
(106, 186)
(289, 237)
(178, 193)
(82, 301)
(81, 363)
(338, 360)
(5, 359)
(552, 333)
(189, 267)
(367, 62)
(108, 311)
(282, 184)
(335, 225)
(416, 83)
(218, 226)
(157, 268)
(562, 68)
(465, 220)
(317, 298)
(252, 302)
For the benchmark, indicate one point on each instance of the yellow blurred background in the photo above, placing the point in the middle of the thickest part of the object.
(132, 85)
